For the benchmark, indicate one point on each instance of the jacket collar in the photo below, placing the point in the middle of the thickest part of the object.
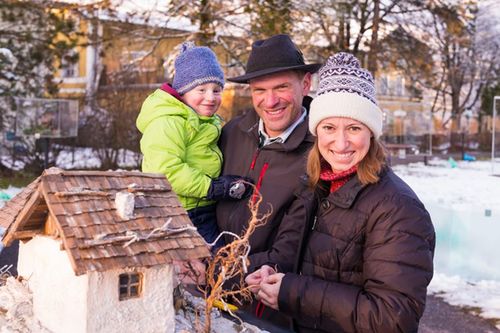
(250, 125)
(168, 88)
(344, 197)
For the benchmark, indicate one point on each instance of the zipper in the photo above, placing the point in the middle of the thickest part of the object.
(218, 153)
(254, 158)
(259, 182)
(314, 222)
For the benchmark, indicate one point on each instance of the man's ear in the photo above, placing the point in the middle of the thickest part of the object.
(306, 84)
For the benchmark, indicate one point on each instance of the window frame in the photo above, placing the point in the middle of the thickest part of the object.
(126, 289)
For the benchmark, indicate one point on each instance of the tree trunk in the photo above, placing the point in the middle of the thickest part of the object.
(372, 54)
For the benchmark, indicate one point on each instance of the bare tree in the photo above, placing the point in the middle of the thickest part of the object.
(465, 57)
(353, 26)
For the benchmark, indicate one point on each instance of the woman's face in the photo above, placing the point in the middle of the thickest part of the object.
(343, 142)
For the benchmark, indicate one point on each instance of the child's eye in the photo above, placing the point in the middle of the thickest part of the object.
(355, 128)
(327, 128)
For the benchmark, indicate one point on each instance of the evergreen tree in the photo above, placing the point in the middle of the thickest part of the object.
(33, 42)
(269, 18)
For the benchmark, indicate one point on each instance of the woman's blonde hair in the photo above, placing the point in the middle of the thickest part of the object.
(368, 169)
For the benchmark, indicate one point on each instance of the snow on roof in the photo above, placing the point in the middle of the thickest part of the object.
(147, 12)
(78, 207)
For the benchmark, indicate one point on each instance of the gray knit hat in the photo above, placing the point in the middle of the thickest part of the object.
(346, 90)
(196, 65)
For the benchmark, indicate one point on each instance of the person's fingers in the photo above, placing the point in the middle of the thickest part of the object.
(265, 271)
(266, 297)
(274, 278)
(253, 282)
(269, 304)
(262, 294)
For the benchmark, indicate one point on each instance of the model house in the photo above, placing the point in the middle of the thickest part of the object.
(97, 249)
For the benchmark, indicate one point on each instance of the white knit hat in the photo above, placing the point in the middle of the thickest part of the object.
(345, 90)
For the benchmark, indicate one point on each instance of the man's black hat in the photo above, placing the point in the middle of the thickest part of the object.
(275, 54)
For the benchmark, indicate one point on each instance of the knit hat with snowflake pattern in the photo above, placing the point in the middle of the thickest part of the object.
(196, 65)
(346, 90)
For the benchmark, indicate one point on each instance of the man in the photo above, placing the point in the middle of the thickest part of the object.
(270, 146)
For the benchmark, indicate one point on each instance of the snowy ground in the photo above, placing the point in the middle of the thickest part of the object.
(80, 158)
(464, 202)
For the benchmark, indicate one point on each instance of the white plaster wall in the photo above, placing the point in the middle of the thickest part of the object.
(59, 296)
(152, 312)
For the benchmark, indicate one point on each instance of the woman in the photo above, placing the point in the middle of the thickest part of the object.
(367, 261)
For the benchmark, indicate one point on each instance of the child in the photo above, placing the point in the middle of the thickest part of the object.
(180, 133)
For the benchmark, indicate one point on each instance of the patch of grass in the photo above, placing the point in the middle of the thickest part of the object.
(16, 179)
(477, 312)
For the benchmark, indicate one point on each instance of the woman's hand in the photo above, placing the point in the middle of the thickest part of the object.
(269, 290)
(255, 279)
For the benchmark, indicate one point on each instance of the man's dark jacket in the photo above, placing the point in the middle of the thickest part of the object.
(276, 170)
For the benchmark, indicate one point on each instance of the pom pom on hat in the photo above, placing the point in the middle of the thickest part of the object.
(196, 65)
(346, 90)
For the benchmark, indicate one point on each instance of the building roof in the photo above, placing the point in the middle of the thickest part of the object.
(78, 207)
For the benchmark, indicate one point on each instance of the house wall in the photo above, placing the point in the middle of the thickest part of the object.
(59, 296)
(151, 312)
(64, 302)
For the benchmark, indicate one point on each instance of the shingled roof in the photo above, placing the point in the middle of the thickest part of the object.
(79, 208)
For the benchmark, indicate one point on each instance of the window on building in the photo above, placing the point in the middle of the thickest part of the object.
(399, 86)
(383, 85)
(130, 285)
(140, 61)
(69, 65)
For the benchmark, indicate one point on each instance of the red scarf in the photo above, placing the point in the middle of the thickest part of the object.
(336, 179)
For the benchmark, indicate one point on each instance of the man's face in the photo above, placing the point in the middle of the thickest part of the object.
(277, 99)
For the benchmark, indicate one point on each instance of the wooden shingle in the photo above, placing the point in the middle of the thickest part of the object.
(93, 234)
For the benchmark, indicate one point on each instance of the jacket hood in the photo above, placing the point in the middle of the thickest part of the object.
(160, 104)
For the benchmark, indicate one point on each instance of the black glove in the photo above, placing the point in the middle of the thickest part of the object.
(229, 187)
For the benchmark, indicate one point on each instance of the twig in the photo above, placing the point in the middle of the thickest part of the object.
(231, 261)
(132, 236)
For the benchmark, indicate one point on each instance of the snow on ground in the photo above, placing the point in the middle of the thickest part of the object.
(87, 158)
(79, 159)
(464, 202)
(468, 184)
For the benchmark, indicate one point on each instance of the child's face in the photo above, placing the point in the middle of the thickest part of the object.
(205, 99)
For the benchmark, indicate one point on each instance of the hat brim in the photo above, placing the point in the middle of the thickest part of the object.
(311, 68)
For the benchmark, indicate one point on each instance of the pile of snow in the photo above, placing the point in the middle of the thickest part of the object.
(79, 159)
(470, 184)
(482, 296)
(472, 194)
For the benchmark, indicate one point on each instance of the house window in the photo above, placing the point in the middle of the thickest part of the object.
(129, 285)
(383, 85)
(140, 61)
(69, 65)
